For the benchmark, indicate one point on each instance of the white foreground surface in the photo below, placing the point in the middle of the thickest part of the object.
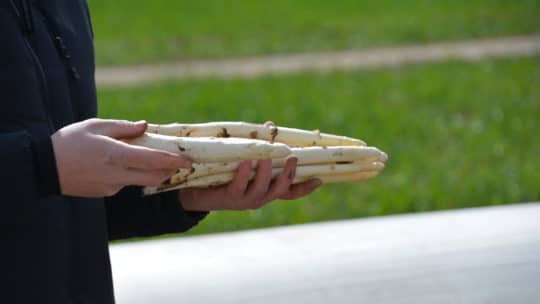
(483, 255)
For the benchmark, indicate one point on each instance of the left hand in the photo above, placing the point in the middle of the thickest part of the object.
(241, 194)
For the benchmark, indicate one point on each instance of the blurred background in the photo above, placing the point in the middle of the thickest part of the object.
(458, 133)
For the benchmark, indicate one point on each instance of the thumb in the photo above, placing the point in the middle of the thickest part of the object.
(123, 129)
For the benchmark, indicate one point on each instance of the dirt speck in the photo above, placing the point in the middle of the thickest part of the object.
(180, 148)
(273, 132)
(223, 133)
(253, 134)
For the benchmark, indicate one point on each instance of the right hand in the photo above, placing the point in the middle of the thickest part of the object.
(93, 161)
(241, 194)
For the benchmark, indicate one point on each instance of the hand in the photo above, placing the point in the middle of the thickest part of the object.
(93, 161)
(241, 194)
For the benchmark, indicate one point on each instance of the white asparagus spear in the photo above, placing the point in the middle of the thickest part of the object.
(199, 182)
(290, 136)
(317, 155)
(198, 170)
(208, 149)
(306, 156)
(302, 173)
(333, 169)
(354, 177)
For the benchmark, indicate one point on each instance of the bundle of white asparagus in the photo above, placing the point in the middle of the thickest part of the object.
(218, 147)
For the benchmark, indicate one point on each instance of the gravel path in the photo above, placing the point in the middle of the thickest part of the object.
(250, 67)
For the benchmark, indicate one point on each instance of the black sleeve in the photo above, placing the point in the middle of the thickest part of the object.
(27, 165)
(129, 214)
(28, 172)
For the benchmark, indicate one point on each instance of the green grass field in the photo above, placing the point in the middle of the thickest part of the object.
(458, 134)
(134, 31)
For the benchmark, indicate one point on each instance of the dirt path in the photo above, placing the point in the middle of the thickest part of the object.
(471, 50)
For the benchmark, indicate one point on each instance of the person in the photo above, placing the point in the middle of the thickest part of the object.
(69, 181)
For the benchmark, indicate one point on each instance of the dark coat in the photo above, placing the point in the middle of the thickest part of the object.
(55, 248)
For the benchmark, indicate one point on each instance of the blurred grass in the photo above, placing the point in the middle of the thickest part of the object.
(134, 31)
(458, 134)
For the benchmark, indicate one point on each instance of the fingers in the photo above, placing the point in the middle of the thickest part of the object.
(241, 194)
(302, 189)
(280, 186)
(262, 189)
(119, 129)
(261, 183)
(237, 187)
(269, 123)
(129, 156)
